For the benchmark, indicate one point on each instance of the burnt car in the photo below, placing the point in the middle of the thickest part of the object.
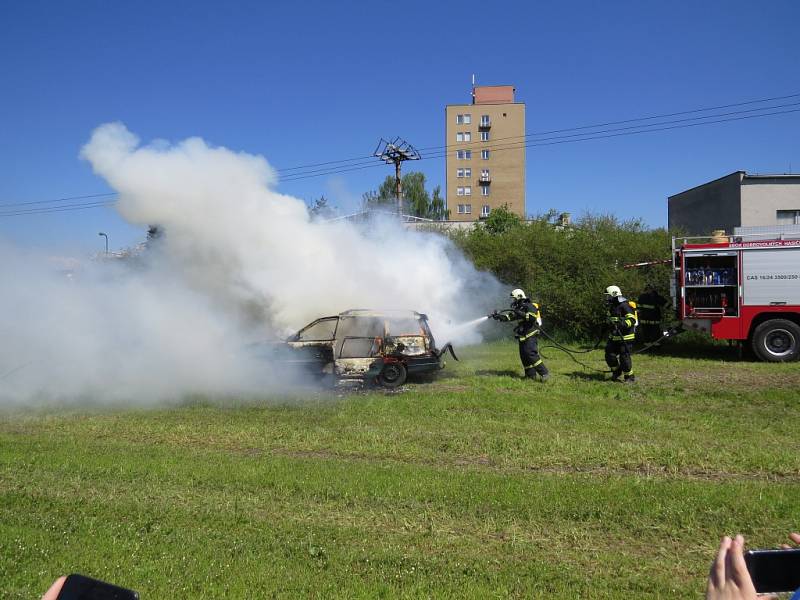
(382, 346)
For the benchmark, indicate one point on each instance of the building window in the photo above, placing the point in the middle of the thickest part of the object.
(788, 217)
(485, 210)
(463, 119)
(468, 191)
(468, 208)
(464, 209)
(463, 154)
(484, 174)
(459, 172)
(459, 191)
(484, 190)
(467, 172)
(463, 136)
(485, 120)
(484, 136)
(485, 154)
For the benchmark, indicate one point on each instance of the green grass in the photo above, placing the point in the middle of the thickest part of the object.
(478, 484)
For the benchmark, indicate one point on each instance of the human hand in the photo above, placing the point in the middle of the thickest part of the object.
(54, 590)
(795, 537)
(729, 578)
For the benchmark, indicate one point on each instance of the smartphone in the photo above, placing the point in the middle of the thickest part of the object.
(774, 570)
(80, 587)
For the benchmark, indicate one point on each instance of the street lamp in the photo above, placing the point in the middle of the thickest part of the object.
(105, 236)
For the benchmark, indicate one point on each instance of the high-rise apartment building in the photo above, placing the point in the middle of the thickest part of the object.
(485, 154)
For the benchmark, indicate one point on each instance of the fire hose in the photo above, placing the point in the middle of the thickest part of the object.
(571, 352)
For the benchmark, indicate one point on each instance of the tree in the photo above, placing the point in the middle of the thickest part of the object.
(373, 200)
(437, 211)
(501, 220)
(566, 269)
(321, 209)
(416, 199)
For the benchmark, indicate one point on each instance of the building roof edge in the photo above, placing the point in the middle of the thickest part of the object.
(743, 173)
(772, 175)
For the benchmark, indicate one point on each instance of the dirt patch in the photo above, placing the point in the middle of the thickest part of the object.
(460, 389)
(484, 462)
(724, 379)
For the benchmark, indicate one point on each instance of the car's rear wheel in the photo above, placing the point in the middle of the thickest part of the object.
(777, 340)
(393, 375)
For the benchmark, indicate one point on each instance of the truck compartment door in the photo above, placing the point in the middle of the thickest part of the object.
(771, 277)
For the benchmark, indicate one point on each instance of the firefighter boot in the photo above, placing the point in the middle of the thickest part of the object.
(616, 374)
(543, 372)
(630, 378)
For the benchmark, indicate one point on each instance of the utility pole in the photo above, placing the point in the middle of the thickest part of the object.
(395, 152)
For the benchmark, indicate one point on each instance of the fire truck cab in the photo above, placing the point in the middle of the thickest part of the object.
(741, 287)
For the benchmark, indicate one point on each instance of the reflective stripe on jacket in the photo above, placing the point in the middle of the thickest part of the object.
(622, 320)
(529, 316)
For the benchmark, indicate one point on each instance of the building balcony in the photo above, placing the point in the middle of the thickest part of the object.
(484, 124)
(484, 180)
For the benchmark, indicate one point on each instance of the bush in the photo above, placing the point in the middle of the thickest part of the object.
(566, 269)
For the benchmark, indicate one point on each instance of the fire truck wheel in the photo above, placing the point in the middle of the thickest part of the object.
(777, 340)
(393, 375)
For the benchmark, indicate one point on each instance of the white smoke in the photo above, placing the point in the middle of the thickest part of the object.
(239, 262)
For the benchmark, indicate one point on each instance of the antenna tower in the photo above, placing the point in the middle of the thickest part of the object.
(395, 152)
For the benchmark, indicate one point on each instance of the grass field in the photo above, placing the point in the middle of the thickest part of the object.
(477, 485)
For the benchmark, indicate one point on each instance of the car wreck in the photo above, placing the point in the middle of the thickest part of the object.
(380, 346)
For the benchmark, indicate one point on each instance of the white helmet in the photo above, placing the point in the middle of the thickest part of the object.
(518, 294)
(613, 291)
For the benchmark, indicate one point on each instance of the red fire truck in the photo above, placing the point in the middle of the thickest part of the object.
(741, 287)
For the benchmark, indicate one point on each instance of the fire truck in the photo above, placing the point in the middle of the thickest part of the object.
(741, 287)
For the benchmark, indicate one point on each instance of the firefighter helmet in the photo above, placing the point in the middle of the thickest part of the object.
(518, 294)
(613, 291)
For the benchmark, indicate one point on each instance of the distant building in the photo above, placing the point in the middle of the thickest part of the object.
(485, 154)
(736, 200)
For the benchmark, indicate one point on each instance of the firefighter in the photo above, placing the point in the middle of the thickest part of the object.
(650, 304)
(529, 319)
(622, 322)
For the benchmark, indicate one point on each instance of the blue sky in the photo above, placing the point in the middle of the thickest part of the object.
(305, 82)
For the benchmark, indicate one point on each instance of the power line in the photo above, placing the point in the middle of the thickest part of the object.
(588, 136)
(329, 162)
(648, 118)
(58, 200)
(581, 127)
(545, 141)
(342, 169)
(706, 119)
(648, 127)
(54, 209)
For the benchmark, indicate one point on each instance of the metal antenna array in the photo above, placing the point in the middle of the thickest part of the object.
(395, 152)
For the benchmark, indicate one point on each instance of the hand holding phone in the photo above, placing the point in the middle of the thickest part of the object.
(80, 587)
(774, 570)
